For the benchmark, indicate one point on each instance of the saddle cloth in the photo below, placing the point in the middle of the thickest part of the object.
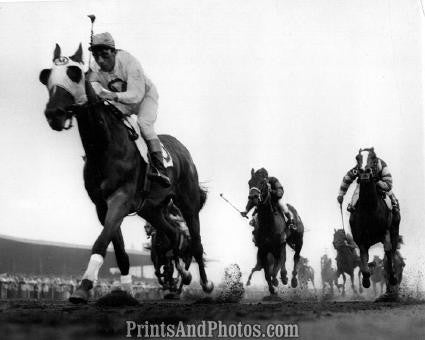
(131, 122)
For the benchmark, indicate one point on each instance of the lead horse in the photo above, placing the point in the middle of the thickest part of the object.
(115, 174)
(372, 222)
(273, 233)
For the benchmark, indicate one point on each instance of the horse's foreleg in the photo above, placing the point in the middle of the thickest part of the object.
(116, 209)
(294, 281)
(364, 260)
(283, 272)
(268, 263)
(257, 268)
(123, 261)
(343, 284)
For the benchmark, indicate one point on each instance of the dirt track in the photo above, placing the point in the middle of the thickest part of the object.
(351, 320)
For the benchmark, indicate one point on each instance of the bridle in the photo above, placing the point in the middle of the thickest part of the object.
(257, 192)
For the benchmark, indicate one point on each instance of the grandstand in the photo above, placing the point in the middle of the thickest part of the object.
(18, 255)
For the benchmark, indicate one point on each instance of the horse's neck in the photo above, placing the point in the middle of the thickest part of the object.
(99, 132)
(368, 196)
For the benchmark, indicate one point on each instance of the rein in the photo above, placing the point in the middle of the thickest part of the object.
(76, 109)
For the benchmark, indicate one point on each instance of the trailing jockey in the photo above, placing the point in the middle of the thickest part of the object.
(276, 192)
(384, 182)
(118, 76)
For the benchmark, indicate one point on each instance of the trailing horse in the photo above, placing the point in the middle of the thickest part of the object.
(372, 221)
(115, 174)
(162, 256)
(377, 274)
(273, 233)
(346, 260)
(328, 274)
(305, 274)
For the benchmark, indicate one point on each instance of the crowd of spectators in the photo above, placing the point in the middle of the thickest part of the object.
(49, 287)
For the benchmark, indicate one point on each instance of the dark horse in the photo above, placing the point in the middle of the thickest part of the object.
(377, 274)
(346, 260)
(305, 273)
(162, 256)
(273, 233)
(328, 274)
(115, 173)
(372, 222)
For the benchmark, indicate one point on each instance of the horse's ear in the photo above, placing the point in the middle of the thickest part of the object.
(57, 52)
(91, 95)
(252, 172)
(78, 55)
(44, 76)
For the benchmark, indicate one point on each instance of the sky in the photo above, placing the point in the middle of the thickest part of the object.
(296, 87)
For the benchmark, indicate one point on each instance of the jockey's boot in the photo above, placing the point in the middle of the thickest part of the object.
(158, 173)
(291, 222)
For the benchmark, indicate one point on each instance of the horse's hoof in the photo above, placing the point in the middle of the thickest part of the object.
(294, 282)
(275, 282)
(393, 281)
(387, 297)
(172, 296)
(366, 280)
(187, 278)
(208, 287)
(284, 280)
(79, 296)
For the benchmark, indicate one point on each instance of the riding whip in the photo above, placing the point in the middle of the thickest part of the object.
(342, 216)
(92, 19)
(221, 195)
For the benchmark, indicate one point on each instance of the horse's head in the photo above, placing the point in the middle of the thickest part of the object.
(65, 83)
(339, 238)
(367, 164)
(258, 186)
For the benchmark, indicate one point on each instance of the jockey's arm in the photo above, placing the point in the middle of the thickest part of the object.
(135, 84)
(385, 183)
(349, 178)
(276, 188)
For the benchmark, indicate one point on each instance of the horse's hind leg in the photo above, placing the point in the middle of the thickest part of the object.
(123, 261)
(198, 251)
(343, 284)
(389, 253)
(352, 283)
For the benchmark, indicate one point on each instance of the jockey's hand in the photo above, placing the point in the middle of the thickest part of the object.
(108, 95)
(340, 199)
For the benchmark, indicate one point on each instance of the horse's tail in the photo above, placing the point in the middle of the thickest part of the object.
(203, 192)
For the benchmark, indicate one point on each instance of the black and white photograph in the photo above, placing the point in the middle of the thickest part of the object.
(212, 169)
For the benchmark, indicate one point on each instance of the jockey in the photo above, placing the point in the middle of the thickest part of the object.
(384, 185)
(118, 76)
(276, 191)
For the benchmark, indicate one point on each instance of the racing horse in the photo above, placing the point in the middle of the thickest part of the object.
(328, 274)
(377, 274)
(305, 273)
(162, 255)
(273, 233)
(372, 222)
(346, 260)
(115, 175)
